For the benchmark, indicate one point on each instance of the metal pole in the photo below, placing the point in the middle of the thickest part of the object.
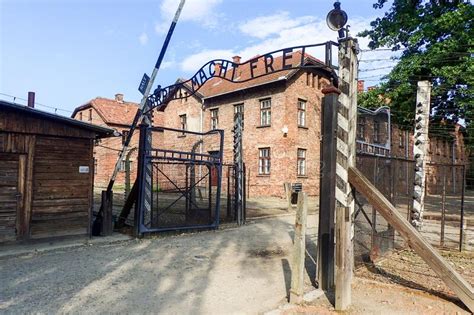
(443, 207)
(139, 115)
(239, 167)
(461, 225)
(140, 176)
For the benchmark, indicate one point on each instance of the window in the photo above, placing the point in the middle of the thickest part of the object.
(401, 138)
(122, 166)
(265, 112)
(90, 114)
(376, 131)
(183, 123)
(361, 128)
(301, 113)
(301, 162)
(264, 161)
(239, 108)
(124, 136)
(80, 115)
(214, 118)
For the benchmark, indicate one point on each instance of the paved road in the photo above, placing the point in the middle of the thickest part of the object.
(241, 270)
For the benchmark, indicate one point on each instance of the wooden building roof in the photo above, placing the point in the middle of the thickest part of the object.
(33, 121)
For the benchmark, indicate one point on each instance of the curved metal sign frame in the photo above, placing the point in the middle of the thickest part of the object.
(227, 70)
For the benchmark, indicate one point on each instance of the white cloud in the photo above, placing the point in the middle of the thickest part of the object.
(203, 12)
(196, 61)
(282, 31)
(143, 38)
(264, 26)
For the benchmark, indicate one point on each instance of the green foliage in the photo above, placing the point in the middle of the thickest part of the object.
(436, 39)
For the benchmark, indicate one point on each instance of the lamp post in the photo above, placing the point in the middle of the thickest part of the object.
(337, 19)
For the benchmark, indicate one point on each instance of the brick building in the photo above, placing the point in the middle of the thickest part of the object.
(282, 123)
(282, 114)
(118, 115)
(377, 135)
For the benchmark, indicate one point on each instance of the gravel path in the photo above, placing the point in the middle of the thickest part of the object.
(241, 270)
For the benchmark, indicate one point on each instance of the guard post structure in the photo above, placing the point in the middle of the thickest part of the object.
(327, 195)
(345, 159)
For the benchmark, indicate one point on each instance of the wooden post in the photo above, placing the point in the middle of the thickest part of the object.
(327, 189)
(419, 150)
(299, 250)
(107, 204)
(346, 158)
(414, 239)
(287, 187)
(343, 242)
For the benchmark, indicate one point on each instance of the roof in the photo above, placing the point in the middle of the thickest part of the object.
(216, 86)
(112, 112)
(101, 131)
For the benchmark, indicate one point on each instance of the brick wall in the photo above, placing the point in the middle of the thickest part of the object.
(284, 98)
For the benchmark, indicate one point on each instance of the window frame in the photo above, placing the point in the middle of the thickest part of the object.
(240, 105)
(361, 123)
(214, 119)
(301, 162)
(376, 136)
(183, 126)
(266, 111)
(301, 110)
(264, 161)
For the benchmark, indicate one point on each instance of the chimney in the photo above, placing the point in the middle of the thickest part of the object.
(119, 97)
(31, 99)
(236, 59)
(360, 86)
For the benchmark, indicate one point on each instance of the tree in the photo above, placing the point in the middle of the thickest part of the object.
(436, 39)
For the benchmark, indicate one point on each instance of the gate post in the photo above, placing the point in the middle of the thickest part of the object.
(239, 169)
(140, 203)
(345, 159)
(327, 189)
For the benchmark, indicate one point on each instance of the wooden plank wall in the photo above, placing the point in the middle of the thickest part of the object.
(61, 195)
(9, 171)
(57, 199)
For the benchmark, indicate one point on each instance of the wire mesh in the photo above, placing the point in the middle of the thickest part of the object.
(185, 179)
(394, 177)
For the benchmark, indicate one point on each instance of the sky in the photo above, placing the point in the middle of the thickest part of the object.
(71, 51)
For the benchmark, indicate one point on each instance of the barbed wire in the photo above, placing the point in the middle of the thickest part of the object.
(36, 103)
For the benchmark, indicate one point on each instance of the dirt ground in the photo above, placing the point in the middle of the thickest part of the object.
(373, 297)
(243, 270)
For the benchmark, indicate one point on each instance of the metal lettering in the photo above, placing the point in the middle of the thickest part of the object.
(253, 65)
(286, 56)
(269, 65)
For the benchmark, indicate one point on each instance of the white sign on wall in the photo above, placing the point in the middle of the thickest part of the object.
(84, 169)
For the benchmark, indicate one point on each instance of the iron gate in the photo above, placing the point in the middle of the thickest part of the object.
(180, 176)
